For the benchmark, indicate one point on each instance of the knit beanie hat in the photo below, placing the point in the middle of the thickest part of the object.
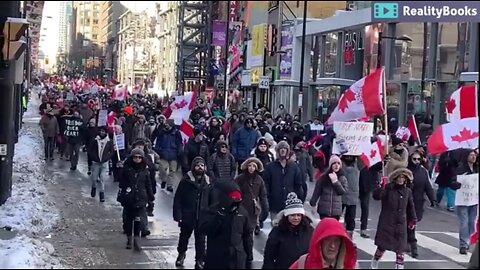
(334, 159)
(138, 152)
(293, 205)
(262, 141)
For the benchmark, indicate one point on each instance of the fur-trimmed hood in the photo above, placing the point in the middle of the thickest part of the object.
(396, 161)
(244, 165)
(402, 171)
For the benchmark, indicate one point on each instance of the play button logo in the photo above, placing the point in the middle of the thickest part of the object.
(385, 10)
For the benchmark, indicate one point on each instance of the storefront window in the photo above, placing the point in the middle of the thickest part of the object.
(331, 54)
(452, 50)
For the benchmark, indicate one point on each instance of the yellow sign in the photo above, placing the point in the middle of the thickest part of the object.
(258, 39)
(255, 74)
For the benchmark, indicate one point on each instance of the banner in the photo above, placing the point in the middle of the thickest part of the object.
(467, 194)
(102, 118)
(120, 141)
(286, 46)
(219, 33)
(258, 44)
(354, 135)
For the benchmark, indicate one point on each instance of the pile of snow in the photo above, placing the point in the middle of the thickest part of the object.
(28, 211)
(24, 252)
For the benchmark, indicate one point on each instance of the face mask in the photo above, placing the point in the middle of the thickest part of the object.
(398, 151)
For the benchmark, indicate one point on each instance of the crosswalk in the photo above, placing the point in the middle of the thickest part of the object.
(432, 250)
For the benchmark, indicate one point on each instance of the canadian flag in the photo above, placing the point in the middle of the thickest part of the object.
(186, 130)
(361, 99)
(181, 107)
(455, 135)
(462, 104)
(120, 92)
(410, 130)
(374, 152)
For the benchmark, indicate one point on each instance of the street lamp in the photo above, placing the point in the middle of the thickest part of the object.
(379, 47)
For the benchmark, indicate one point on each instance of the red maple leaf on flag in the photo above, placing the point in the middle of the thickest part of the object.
(450, 105)
(373, 153)
(181, 104)
(348, 96)
(464, 135)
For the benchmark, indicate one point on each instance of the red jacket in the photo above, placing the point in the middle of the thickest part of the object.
(329, 227)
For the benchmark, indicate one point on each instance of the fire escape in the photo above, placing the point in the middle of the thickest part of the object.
(193, 43)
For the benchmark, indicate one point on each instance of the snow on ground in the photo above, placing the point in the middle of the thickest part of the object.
(28, 211)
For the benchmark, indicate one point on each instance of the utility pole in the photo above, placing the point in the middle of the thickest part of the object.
(225, 83)
(302, 60)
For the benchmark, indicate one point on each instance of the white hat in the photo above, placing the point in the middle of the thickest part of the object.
(293, 205)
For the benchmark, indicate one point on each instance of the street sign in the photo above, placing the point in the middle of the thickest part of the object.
(264, 82)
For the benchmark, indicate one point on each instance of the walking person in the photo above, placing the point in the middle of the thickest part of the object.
(100, 152)
(90, 134)
(192, 195)
(253, 189)
(329, 190)
(369, 177)
(49, 126)
(290, 237)
(329, 248)
(73, 131)
(135, 192)
(397, 214)
(350, 197)
(420, 187)
(221, 164)
(169, 147)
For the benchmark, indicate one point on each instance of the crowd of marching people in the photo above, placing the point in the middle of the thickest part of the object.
(240, 168)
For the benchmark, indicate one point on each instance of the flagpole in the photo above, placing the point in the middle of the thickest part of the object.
(115, 140)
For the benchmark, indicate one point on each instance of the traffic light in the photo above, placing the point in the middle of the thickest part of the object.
(14, 43)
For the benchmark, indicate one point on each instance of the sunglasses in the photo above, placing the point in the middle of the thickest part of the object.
(137, 157)
(416, 159)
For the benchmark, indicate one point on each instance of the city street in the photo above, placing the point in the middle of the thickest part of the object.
(89, 233)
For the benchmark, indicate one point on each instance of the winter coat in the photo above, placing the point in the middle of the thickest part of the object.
(420, 187)
(169, 144)
(369, 178)
(149, 129)
(396, 161)
(352, 173)
(328, 195)
(190, 198)
(280, 181)
(139, 131)
(304, 163)
(398, 211)
(447, 165)
(222, 167)
(213, 134)
(252, 188)
(138, 180)
(229, 239)
(49, 126)
(93, 151)
(285, 244)
(194, 149)
(243, 141)
(347, 258)
(90, 134)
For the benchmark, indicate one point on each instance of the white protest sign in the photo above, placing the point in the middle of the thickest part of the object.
(102, 118)
(120, 141)
(70, 96)
(355, 135)
(467, 194)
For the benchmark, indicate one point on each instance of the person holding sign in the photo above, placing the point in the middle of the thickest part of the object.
(72, 133)
(466, 199)
(100, 152)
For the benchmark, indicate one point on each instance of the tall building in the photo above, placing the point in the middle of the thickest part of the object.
(65, 14)
(110, 12)
(88, 46)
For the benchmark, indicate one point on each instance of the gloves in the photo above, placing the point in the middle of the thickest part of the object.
(411, 225)
(120, 164)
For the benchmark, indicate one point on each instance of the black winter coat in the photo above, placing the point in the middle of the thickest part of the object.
(284, 245)
(108, 152)
(280, 181)
(252, 187)
(190, 198)
(420, 187)
(369, 178)
(397, 211)
(229, 239)
(194, 149)
(138, 180)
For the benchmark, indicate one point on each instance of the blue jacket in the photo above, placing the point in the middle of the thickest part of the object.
(168, 144)
(244, 140)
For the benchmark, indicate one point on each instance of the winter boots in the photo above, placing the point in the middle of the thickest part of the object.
(136, 244)
(199, 265)
(89, 172)
(93, 192)
(364, 234)
(129, 242)
(163, 185)
(180, 259)
(102, 197)
(414, 250)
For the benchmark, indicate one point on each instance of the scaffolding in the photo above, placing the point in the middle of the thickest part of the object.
(194, 39)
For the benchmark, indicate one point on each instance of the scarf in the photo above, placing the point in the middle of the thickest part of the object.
(102, 143)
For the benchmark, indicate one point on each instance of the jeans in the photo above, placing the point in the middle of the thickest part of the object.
(98, 174)
(171, 166)
(49, 145)
(364, 204)
(73, 152)
(450, 196)
(411, 236)
(350, 213)
(185, 233)
(466, 219)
